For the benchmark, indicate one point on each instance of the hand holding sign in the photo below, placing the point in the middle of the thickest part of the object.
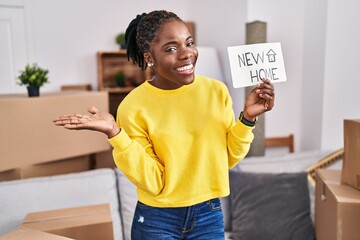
(260, 99)
(251, 63)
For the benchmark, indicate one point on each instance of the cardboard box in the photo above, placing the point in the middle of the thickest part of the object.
(351, 166)
(104, 160)
(81, 223)
(32, 138)
(337, 208)
(10, 175)
(23, 233)
(70, 165)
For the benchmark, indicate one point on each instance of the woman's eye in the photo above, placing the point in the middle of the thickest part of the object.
(190, 44)
(171, 49)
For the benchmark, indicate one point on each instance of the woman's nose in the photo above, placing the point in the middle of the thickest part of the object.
(186, 53)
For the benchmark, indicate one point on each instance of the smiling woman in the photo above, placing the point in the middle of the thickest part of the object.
(173, 56)
(175, 136)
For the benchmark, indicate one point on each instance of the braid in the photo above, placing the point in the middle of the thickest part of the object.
(142, 31)
(133, 51)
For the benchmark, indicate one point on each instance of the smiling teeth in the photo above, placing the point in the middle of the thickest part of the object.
(188, 67)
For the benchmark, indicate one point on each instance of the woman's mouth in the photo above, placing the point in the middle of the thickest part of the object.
(186, 69)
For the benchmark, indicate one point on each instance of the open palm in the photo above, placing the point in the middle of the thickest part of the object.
(98, 121)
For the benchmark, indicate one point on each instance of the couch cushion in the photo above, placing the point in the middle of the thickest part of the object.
(226, 208)
(270, 206)
(287, 163)
(19, 197)
(128, 200)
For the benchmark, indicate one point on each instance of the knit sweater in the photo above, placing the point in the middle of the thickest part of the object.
(177, 145)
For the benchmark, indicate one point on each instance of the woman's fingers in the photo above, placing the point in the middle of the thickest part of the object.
(72, 126)
(265, 90)
(62, 120)
(265, 94)
(77, 121)
(71, 119)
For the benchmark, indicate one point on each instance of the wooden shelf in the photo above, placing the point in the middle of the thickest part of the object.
(110, 63)
(119, 89)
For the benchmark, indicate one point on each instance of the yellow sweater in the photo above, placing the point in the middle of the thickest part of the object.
(177, 145)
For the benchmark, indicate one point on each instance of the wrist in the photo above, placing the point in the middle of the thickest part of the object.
(248, 117)
(115, 130)
(247, 120)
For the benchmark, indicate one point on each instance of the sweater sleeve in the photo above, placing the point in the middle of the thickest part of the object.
(138, 162)
(239, 136)
(239, 139)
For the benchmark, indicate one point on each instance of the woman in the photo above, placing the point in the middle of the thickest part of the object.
(175, 136)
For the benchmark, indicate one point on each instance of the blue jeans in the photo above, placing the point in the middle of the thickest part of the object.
(201, 221)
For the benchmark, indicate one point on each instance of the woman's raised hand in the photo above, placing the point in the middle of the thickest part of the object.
(98, 121)
(259, 100)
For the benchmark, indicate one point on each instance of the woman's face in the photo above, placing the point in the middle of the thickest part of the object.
(174, 55)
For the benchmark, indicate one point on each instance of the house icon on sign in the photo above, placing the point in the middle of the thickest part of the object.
(271, 55)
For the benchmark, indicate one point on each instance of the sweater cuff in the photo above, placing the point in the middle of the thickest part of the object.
(243, 130)
(120, 141)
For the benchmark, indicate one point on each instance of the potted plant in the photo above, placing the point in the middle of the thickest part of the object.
(33, 77)
(120, 40)
(120, 79)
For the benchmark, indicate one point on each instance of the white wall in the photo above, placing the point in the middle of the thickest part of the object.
(313, 74)
(341, 78)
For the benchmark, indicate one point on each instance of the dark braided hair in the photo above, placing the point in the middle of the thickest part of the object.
(142, 31)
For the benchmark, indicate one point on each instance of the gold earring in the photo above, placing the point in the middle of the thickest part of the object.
(150, 64)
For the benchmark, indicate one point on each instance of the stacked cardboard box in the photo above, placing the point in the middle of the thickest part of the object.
(69, 165)
(337, 208)
(351, 167)
(337, 199)
(34, 146)
(81, 223)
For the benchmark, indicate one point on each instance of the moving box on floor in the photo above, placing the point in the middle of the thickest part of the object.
(81, 223)
(337, 208)
(23, 233)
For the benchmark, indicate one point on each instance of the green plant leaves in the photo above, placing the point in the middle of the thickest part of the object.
(33, 75)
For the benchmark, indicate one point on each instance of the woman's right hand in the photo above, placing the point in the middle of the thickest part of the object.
(98, 121)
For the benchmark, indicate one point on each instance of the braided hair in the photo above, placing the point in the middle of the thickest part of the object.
(142, 31)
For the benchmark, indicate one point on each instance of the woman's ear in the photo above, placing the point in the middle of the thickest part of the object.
(148, 59)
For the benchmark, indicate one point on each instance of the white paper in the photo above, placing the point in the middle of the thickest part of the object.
(250, 63)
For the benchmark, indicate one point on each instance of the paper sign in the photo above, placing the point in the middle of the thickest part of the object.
(250, 63)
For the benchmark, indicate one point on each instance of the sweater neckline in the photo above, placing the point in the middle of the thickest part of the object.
(181, 89)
